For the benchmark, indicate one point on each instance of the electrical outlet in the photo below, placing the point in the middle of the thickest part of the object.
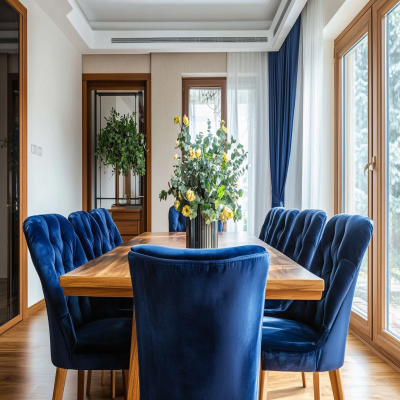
(33, 149)
(39, 151)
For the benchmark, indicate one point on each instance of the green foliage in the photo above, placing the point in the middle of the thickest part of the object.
(206, 170)
(121, 146)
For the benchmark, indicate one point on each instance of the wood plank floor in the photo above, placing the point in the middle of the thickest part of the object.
(26, 371)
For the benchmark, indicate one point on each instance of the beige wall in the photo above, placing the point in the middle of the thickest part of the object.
(166, 99)
(115, 63)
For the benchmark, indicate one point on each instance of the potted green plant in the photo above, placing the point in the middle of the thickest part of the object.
(121, 146)
(204, 183)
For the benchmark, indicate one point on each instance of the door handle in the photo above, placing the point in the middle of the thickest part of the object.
(370, 166)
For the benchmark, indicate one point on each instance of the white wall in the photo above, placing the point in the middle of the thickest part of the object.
(166, 98)
(54, 123)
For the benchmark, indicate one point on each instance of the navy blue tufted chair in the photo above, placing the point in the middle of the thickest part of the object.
(270, 223)
(177, 222)
(107, 227)
(78, 340)
(310, 336)
(283, 229)
(302, 243)
(191, 307)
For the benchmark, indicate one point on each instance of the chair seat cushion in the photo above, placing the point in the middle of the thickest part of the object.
(109, 335)
(284, 334)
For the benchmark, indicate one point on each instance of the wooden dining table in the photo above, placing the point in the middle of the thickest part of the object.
(109, 276)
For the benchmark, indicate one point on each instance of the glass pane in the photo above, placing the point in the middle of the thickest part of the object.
(204, 104)
(393, 170)
(9, 163)
(355, 150)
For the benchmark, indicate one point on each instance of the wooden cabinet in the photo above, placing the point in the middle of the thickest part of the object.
(130, 222)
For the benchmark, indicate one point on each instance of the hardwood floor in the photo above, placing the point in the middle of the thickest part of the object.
(26, 371)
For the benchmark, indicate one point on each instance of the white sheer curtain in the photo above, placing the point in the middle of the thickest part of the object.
(247, 86)
(302, 186)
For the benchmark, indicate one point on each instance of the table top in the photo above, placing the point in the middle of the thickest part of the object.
(109, 276)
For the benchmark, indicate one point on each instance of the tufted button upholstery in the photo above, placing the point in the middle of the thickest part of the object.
(177, 222)
(55, 250)
(283, 229)
(337, 261)
(107, 227)
(270, 223)
(89, 234)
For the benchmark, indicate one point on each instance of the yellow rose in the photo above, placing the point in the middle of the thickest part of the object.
(225, 157)
(223, 128)
(176, 144)
(191, 153)
(175, 157)
(190, 195)
(198, 153)
(222, 217)
(186, 211)
(180, 196)
(177, 120)
(185, 120)
(177, 203)
(222, 123)
(228, 213)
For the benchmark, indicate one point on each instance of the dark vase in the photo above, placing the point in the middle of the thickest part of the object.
(199, 235)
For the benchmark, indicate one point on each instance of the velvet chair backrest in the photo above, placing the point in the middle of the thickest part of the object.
(55, 250)
(107, 227)
(283, 229)
(337, 260)
(176, 221)
(89, 234)
(198, 320)
(305, 237)
(270, 223)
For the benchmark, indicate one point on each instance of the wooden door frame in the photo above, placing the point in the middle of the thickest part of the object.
(23, 181)
(343, 44)
(117, 82)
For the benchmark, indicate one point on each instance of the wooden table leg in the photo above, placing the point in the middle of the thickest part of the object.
(133, 383)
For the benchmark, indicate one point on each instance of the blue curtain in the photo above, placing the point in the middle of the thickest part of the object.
(282, 94)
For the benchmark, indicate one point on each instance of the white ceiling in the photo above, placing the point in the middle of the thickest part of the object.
(92, 24)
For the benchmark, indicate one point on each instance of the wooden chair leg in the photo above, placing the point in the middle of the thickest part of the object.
(103, 377)
(303, 376)
(317, 386)
(59, 384)
(125, 379)
(263, 385)
(88, 382)
(336, 383)
(113, 384)
(81, 385)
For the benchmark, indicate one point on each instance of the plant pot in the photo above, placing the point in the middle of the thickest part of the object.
(199, 235)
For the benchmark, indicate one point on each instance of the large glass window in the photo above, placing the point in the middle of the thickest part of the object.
(393, 169)
(355, 149)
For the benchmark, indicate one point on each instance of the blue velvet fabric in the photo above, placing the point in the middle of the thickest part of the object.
(283, 67)
(270, 223)
(107, 227)
(79, 339)
(303, 241)
(283, 229)
(198, 321)
(177, 222)
(337, 260)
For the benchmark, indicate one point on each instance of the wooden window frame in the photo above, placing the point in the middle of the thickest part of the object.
(198, 83)
(23, 185)
(114, 82)
(379, 339)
